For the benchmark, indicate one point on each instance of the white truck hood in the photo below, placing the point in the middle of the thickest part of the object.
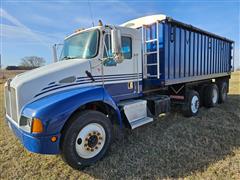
(52, 70)
(31, 83)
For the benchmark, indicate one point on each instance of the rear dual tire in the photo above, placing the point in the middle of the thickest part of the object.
(192, 104)
(211, 95)
(223, 89)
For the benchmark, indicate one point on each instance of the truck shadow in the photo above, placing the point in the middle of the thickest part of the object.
(174, 146)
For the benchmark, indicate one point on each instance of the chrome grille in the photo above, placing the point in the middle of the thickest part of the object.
(11, 103)
(7, 101)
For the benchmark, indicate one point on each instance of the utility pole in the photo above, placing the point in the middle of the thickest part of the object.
(1, 72)
(0, 61)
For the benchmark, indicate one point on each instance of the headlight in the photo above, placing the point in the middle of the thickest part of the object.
(25, 123)
(32, 125)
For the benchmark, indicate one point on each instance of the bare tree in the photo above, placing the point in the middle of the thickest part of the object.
(32, 61)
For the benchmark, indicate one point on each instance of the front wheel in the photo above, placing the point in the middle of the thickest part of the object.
(86, 139)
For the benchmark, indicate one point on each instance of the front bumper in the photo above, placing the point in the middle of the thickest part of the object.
(33, 143)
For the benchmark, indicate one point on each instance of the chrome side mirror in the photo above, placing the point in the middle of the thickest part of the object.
(54, 49)
(116, 45)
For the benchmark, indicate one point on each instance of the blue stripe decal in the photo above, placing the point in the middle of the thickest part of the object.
(109, 77)
(80, 83)
(100, 78)
(106, 77)
(116, 75)
(121, 75)
(50, 87)
(51, 83)
(89, 80)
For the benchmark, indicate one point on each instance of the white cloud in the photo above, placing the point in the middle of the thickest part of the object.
(83, 21)
(107, 12)
(22, 36)
(19, 30)
(42, 19)
(124, 8)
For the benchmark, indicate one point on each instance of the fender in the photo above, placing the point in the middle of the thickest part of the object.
(54, 110)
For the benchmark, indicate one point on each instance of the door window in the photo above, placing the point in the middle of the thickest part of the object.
(126, 47)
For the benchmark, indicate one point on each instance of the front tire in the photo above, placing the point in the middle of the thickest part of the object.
(86, 139)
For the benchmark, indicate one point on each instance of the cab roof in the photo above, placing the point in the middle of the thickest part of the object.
(146, 20)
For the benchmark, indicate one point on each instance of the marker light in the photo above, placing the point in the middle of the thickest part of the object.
(37, 126)
(54, 138)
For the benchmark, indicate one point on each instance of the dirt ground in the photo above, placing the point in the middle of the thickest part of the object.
(202, 147)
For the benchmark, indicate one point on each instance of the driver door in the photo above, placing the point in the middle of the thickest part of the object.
(121, 80)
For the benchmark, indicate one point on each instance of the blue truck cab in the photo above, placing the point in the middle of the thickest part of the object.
(116, 75)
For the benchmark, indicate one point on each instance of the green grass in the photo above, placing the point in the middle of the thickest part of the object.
(202, 147)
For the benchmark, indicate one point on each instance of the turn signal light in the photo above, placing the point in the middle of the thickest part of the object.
(54, 138)
(37, 126)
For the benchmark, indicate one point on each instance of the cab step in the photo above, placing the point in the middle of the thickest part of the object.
(140, 122)
(136, 112)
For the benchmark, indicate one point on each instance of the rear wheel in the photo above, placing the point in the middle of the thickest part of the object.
(211, 95)
(191, 107)
(86, 139)
(223, 86)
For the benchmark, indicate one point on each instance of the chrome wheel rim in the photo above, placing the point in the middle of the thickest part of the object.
(90, 140)
(195, 104)
(215, 96)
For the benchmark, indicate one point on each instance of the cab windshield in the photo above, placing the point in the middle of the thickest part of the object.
(83, 45)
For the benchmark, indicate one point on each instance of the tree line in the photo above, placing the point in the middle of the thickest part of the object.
(28, 63)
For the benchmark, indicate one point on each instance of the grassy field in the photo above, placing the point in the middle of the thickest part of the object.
(202, 147)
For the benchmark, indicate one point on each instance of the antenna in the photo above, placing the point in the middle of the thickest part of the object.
(91, 13)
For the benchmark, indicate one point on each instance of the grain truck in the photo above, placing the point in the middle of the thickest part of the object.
(124, 76)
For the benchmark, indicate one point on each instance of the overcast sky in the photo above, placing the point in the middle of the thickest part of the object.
(30, 27)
